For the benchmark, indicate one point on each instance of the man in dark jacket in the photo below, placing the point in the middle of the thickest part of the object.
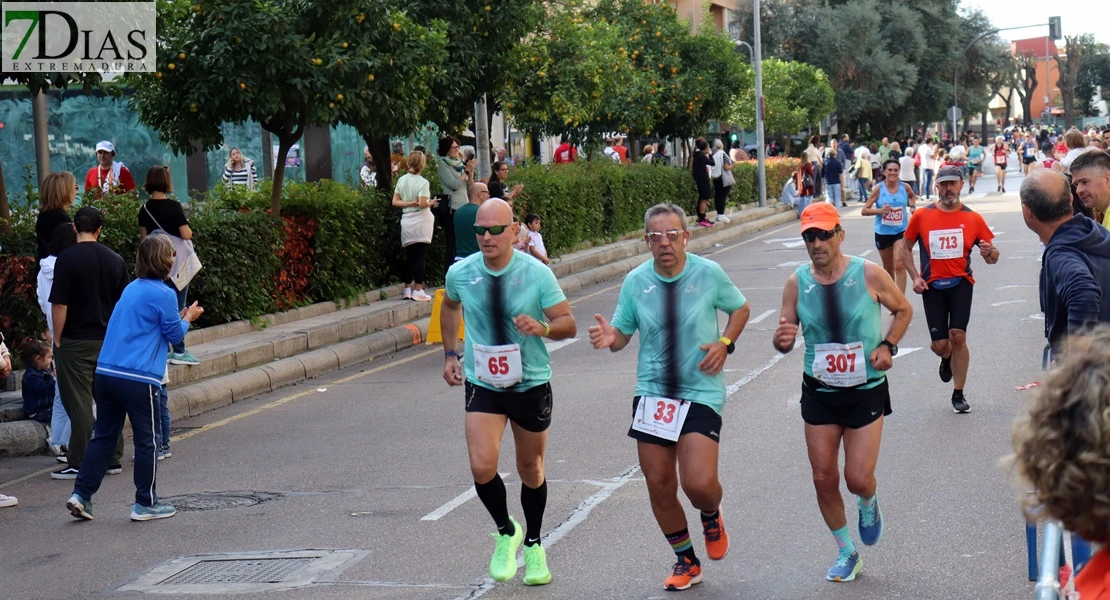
(1076, 266)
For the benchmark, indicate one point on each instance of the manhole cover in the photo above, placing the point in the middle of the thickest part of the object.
(267, 570)
(218, 500)
(243, 572)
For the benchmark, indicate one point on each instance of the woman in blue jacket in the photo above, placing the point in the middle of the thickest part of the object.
(144, 323)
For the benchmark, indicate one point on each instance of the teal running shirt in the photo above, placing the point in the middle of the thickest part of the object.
(675, 317)
(491, 299)
(841, 324)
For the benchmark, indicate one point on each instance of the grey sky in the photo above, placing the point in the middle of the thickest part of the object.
(1090, 16)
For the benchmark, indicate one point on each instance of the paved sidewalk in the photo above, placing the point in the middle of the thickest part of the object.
(242, 359)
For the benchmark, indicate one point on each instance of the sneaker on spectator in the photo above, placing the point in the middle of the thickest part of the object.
(66, 473)
(164, 452)
(705, 223)
(7, 501)
(723, 219)
(115, 469)
(183, 358)
(407, 294)
(62, 459)
(421, 296)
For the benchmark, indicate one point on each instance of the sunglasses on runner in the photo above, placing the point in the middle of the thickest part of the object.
(812, 235)
(656, 237)
(494, 230)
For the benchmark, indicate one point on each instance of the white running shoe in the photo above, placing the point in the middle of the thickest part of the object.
(421, 296)
(723, 219)
(7, 501)
(407, 294)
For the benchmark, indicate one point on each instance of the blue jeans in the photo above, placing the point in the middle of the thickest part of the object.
(60, 427)
(181, 294)
(803, 202)
(162, 437)
(928, 177)
(835, 193)
(863, 189)
(117, 398)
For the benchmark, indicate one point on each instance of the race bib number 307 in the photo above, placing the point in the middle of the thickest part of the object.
(840, 365)
(946, 243)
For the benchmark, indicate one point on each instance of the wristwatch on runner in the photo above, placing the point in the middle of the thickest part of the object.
(892, 346)
(729, 344)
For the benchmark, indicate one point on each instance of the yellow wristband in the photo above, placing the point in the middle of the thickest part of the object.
(724, 340)
(546, 328)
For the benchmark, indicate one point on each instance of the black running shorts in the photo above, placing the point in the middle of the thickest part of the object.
(948, 309)
(699, 419)
(884, 241)
(530, 409)
(848, 407)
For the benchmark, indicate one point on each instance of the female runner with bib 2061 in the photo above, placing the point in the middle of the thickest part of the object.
(891, 202)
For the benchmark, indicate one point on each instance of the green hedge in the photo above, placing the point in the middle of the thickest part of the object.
(355, 242)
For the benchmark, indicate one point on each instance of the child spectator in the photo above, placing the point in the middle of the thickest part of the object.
(38, 380)
(520, 236)
(535, 240)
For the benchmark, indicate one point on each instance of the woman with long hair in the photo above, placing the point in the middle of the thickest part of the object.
(455, 176)
(700, 164)
(56, 195)
(240, 170)
(496, 183)
(413, 197)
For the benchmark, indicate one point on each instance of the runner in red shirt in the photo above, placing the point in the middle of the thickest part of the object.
(565, 153)
(947, 232)
(108, 175)
(1001, 154)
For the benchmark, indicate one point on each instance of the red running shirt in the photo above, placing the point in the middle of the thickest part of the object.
(946, 240)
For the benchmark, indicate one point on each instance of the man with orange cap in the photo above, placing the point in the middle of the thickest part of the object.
(838, 300)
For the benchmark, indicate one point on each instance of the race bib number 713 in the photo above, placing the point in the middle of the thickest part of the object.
(946, 243)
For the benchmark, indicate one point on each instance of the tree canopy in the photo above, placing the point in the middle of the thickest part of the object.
(795, 96)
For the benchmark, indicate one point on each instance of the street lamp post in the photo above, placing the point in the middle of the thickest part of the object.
(757, 61)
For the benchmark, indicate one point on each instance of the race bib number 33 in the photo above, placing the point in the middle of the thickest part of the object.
(661, 417)
(498, 366)
(946, 243)
(840, 365)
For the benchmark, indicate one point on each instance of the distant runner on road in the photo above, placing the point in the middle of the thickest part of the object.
(947, 232)
(511, 301)
(837, 301)
(672, 301)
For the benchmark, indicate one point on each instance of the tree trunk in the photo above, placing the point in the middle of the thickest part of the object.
(5, 212)
(383, 165)
(1028, 79)
(287, 136)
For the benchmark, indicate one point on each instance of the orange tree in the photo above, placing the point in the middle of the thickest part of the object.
(287, 64)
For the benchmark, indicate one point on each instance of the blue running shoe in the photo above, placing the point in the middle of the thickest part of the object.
(80, 508)
(846, 567)
(870, 522)
(149, 513)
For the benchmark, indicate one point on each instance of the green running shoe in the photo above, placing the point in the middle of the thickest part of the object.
(535, 566)
(502, 566)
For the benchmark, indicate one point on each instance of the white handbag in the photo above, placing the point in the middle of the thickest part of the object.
(186, 264)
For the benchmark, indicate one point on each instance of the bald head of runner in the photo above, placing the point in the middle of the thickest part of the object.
(666, 235)
(1045, 201)
(495, 215)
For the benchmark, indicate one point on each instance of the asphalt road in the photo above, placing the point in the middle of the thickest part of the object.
(373, 459)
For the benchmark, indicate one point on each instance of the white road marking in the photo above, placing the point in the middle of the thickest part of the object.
(455, 502)
(1037, 316)
(562, 529)
(1007, 302)
(553, 346)
(866, 252)
(1010, 287)
(793, 263)
(780, 240)
(794, 244)
(761, 317)
(745, 380)
(904, 351)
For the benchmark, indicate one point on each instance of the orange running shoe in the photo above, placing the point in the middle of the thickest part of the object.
(716, 538)
(684, 575)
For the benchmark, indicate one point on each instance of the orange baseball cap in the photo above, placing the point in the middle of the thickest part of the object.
(820, 215)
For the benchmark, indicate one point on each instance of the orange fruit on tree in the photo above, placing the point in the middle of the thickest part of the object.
(171, 66)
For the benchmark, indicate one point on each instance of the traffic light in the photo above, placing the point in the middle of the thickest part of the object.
(1054, 31)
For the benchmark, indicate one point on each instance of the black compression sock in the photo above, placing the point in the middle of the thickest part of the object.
(534, 502)
(492, 495)
(957, 394)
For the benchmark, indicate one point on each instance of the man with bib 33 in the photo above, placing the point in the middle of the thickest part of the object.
(511, 301)
(837, 301)
(946, 233)
(672, 300)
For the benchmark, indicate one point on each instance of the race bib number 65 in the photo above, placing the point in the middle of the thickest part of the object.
(498, 366)
(946, 243)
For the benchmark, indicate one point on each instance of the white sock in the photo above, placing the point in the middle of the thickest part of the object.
(408, 292)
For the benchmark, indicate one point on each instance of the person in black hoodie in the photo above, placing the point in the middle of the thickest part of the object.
(1075, 269)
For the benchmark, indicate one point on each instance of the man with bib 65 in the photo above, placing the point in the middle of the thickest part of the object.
(672, 300)
(837, 301)
(511, 301)
(946, 232)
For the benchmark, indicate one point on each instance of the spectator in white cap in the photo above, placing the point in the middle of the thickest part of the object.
(108, 175)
